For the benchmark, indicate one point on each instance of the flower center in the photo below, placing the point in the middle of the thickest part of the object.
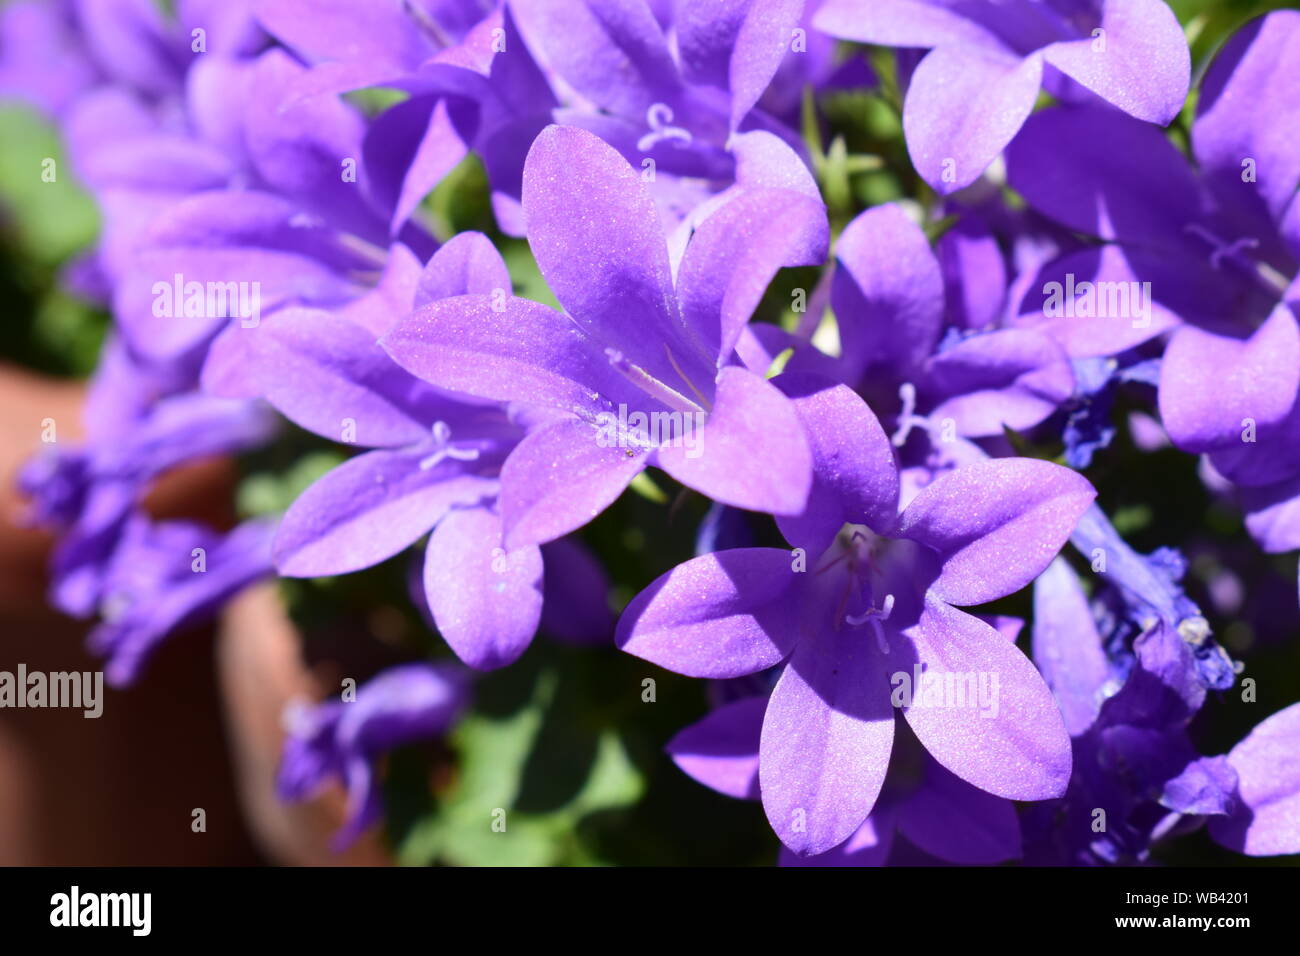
(857, 552)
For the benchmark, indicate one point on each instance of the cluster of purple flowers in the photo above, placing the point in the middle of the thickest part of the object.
(266, 256)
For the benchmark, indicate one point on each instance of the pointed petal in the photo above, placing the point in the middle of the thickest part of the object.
(1143, 66)
(367, 510)
(593, 228)
(1267, 762)
(734, 254)
(1211, 385)
(1067, 647)
(855, 476)
(467, 264)
(721, 751)
(1248, 110)
(510, 350)
(1007, 378)
(887, 292)
(962, 109)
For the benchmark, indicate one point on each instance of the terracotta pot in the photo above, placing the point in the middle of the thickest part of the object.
(122, 788)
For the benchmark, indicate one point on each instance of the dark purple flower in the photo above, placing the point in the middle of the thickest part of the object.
(343, 738)
(168, 575)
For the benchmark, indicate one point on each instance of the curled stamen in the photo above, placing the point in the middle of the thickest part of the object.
(1221, 250)
(875, 615)
(658, 117)
(443, 448)
(907, 417)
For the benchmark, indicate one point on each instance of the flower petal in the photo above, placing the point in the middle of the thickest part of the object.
(593, 228)
(725, 614)
(719, 459)
(949, 819)
(887, 291)
(510, 349)
(367, 510)
(1015, 744)
(559, 478)
(962, 108)
(826, 739)
(996, 524)
(721, 751)
(855, 476)
(1139, 63)
(485, 600)
(1267, 762)
(1067, 647)
(1211, 385)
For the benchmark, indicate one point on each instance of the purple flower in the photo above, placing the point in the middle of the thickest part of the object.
(471, 80)
(988, 59)
(1209, 255)
(935, 810)
(673, 106)
(90, 492)
(1265, 820)
(633, 343)
(893, 298)
(168, 575)
(343, 739)
(859, 614)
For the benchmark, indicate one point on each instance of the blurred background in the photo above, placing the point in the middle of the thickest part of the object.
(563, 738)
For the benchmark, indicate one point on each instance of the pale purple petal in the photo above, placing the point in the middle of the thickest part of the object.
(887, 291)
(367, 510)
(1067, 647)
(1012, 743)
(720, 615)
(826, 739)
(1142, 65)
(855, 476)
(718, 460)
(559, 478)
(485, 600)
(721, 751)
(1267, 762)
(962, 109)
(996, 524)
(1211, 385)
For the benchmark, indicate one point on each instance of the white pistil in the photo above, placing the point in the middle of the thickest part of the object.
(659, 117)
(443, 448)
(907, 417)
(875, 615)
